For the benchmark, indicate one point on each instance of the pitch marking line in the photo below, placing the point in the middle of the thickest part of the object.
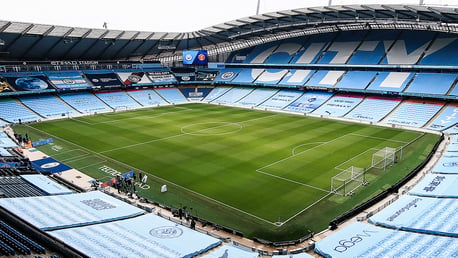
(69, 151)
(178, 135)
(137, 117)
(106, 159)
(362, 153)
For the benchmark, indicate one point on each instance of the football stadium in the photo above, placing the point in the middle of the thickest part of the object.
(323, 131)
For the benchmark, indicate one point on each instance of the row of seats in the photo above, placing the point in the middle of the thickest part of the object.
(13, 242)
(14, 186)
(378, 81)
(357, 47)
(432, 115)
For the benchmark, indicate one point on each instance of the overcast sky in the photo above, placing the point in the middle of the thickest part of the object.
(158, 15)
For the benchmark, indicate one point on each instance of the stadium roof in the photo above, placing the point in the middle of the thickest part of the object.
(27, 41)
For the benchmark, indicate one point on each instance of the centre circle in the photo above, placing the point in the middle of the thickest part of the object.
(211, 128)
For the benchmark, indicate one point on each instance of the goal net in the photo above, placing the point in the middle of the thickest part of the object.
(346, 182)
(384, 158)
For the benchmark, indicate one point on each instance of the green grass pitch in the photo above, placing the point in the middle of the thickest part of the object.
(265, 174)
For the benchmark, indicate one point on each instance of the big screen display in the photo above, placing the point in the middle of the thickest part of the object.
(195, 57)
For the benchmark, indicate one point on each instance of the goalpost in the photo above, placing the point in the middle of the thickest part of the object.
(384, 158)
(348, 180)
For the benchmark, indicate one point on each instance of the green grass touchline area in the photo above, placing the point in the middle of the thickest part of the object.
(265, 174)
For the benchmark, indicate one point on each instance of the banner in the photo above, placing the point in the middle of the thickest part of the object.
(29, 83)
(206, 75)
(134, 78)
(161, 77)
(104, 80)
(68, 80)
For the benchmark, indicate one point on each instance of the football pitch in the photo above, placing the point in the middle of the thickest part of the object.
(263, 173)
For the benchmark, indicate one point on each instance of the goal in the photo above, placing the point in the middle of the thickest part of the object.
(347, 181)
(384, 158)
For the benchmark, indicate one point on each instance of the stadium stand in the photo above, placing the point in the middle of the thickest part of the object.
(85, 103)
(446, 165)
(270, 76)
(14, 112)
(373, 109)
(69, 210)
(233, 95)
(442, 51)
(143, 236)
(415, 214)
(247, 76)
(434, 185)
(118, 100)
(48, 106)
(356, 80)
(431, 83)
(15, 187)
(284, 52)
(230, 251)
(195, 93)
(171, 95)
(216, 93)
(445, 119)
(309, 101)
(376, 241)
(413, 113)
(281, 99)
(146, 98)
(408, 48)
(390, 81)
(296, 78)
(372, 48)
(227, 75)
(256, 97)
(17, 243)
(342, 48)
(338, 105)
(325, 79)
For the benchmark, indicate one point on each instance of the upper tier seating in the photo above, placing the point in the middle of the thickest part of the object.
(356, 80)
(390, 81)
(432, 83)
(85, 103)
(48, 106)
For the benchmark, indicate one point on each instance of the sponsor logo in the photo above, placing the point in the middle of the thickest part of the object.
(185, 78)
(188, 57)
(68, 81)
(134, 78)
(345, 244)
(95, 80)
(166, 232)
(201, 57)
(227, 75)
(50, 165)
(450, 164)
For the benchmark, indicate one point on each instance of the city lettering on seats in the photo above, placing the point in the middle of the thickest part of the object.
(343, 51)
(345, 244)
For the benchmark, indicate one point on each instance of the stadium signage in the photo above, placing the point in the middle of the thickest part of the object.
(74, 62)
(433, 184)
(411, 204)
(166, 232)
(345, 244)
(114, 173)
